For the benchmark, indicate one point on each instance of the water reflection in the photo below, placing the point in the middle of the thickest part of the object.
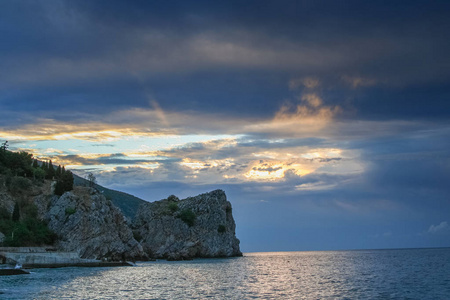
(415, 274)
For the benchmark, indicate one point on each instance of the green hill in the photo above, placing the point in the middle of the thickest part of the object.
(127, 203)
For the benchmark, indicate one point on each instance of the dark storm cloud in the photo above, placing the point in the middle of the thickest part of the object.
(418, 161)
(87, 55)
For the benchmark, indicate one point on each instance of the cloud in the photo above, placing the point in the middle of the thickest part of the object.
(312, 100)
(305, 119)
(356, 82)
(443, 226)
(307, 82)
(103, 44)
(301, 120)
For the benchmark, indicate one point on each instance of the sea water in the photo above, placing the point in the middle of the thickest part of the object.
(363, 274)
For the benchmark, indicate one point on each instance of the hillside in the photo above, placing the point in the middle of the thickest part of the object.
(127, 203)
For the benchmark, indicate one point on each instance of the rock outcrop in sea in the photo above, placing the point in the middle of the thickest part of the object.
(201, 226)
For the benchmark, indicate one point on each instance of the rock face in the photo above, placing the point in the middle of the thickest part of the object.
(7, 201)
(201, 226)
(88, 223)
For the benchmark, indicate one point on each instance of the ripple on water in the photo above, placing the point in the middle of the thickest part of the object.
(412, 274)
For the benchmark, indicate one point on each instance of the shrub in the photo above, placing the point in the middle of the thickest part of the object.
(221, 229)
(188, 217)
(173, 198)
(70, 211)
(4, 214)
(5, 170)
(173, 207)
(6, 226)
(39, 174)
(16, 212)
(31, 211)
(30, 232)
(137, 236)
(19, 184)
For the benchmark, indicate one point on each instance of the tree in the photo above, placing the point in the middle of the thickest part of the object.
(50, 170)
(39, 174)
(16, 212)
(4, 146)
(64, 184)
(35, 164)
(44, 167)
(91, 180)
(19, 163)
(67, 180)
(58, 172)
(59, 190)
(3, 149)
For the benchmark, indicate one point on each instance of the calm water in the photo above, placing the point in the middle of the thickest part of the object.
(368, 274)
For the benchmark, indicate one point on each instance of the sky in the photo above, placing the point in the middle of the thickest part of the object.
(327, 123)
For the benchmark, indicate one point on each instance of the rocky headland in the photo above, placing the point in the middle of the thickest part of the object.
(201, 226)
(85, 221)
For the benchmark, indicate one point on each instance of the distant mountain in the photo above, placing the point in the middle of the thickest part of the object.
(127, 203)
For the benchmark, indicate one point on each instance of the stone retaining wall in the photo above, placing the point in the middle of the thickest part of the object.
(29, 256)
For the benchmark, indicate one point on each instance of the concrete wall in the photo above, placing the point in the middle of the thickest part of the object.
(27, 249)
(35, 255)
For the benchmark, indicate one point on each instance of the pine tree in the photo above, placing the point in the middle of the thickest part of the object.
(35, 164)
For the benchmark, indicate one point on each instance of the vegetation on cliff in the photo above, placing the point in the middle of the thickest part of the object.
(21, 178)
(28, 230)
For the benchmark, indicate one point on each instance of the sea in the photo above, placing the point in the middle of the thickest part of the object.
(360, 274)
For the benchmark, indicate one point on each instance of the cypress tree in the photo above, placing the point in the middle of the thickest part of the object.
(58, 172)
(59, 188)
(64, 184)
(35, 164)
(44, 167)
(16, 212)
(67, 181)
(50, 170)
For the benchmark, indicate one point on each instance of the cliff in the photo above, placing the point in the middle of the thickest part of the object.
(88, 223)
(201, 226)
